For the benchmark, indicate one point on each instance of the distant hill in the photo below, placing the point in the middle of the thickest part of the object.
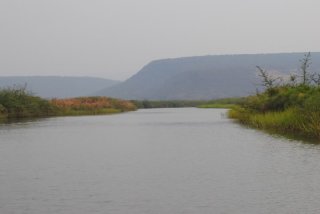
(57, 86)
(205, 77)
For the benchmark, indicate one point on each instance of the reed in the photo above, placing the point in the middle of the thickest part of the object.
(91, 106)
(287, 110)
(16, 102)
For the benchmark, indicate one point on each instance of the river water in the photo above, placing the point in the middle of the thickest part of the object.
(157, 161)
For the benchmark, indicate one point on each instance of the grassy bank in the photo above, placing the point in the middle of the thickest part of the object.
(218, 103)
(292, 110)
(18, 103)
(144, 104)
(290, 107)
(90, 106)
(223, 103)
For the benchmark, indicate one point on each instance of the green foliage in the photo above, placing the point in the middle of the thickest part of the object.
(312, 103)
(287, 108)
(292, 121)
(167, 103)
(91, 106)
(284, 109)
(281, 98)
(3, 112)
(223, 103)
(17, 102)
(219, 103)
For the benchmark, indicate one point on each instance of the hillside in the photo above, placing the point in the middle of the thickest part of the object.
(57, 86)
(205, 77)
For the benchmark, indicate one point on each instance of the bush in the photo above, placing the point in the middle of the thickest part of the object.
(3, 111)
(17, 102)
(312, 103)
(285, 109)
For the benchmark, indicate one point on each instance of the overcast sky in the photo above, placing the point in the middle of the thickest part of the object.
(115, 38)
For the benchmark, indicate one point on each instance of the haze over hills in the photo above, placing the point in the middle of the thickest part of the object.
(187, 78)
(58, 86)
(205, 77)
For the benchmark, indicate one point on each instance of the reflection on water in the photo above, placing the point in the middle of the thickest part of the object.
(154, 161)
(20, 121)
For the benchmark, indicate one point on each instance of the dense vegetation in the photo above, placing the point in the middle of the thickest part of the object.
(218, 103)
(167, 103)
(18, 103)
(91, 106)
(287, 107)
(223, 103)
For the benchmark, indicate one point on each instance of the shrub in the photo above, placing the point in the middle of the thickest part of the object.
(17, 102)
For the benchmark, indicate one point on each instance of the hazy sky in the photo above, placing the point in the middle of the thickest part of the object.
(115, 38)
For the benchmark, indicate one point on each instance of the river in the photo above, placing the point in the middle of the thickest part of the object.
(157, 161)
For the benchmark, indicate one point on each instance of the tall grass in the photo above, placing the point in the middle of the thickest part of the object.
(91, 106)
(16, 102)
(293, 110)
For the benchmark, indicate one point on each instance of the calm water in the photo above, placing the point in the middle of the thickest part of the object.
(159, 161)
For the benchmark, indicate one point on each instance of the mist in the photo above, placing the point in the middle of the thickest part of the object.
(115, 38)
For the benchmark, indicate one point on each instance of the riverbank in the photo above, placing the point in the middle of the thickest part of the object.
(217, 103)
(286, 110)
(18, 103)
(90, 106)
(227, 103)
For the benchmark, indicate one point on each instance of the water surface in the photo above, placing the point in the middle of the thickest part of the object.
(158, 161)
